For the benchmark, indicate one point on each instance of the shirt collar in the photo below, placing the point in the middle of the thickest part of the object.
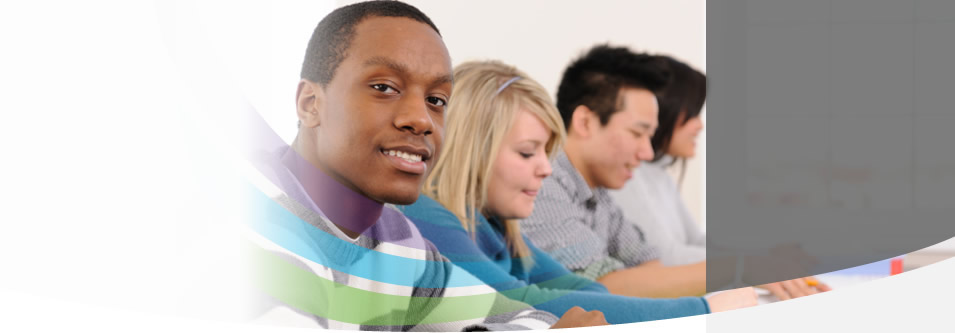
(344, 207)
(570, 179)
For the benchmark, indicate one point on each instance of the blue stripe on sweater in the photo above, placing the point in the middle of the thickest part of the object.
(280, 226)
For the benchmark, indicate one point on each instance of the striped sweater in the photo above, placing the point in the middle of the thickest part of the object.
(308, 273)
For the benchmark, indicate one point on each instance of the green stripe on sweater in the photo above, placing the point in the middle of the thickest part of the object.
(308, 292)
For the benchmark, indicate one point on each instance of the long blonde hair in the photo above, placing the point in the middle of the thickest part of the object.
(481, 111)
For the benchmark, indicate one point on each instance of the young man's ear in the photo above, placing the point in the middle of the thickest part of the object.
(308, 102)
(582, 122)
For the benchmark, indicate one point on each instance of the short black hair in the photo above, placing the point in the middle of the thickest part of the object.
(330, 41)
(684, 94)
(596, 78)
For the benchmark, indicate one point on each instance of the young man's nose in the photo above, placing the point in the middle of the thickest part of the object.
(414, 116)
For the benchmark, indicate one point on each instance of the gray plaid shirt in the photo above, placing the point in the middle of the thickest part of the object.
(582, 228)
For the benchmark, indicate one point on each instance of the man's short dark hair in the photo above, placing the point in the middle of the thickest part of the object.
(330, 41)
(595, 80)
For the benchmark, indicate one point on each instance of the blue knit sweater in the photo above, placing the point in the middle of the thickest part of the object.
(546, 285)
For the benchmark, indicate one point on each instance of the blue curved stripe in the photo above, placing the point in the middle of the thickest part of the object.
(275, 223)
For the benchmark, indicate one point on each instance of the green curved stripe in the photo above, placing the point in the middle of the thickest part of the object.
(308, 292)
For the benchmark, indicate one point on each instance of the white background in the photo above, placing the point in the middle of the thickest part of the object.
(108, 146)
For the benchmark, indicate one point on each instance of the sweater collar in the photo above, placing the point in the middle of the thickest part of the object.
(344, 207)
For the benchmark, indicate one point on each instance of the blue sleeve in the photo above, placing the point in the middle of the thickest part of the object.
(547, 268)
(553, 287)
(444, 230)
(547, 273)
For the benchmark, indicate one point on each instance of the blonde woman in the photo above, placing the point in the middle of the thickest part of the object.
(501, 130)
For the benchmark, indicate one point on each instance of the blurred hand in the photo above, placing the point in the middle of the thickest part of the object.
(733, 299)
(796, 288)
(578, 317)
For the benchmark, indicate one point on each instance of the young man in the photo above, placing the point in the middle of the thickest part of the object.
(606, 99)
(325, 249)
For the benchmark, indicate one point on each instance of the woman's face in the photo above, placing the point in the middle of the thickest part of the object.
(519, 168)
(683, 143)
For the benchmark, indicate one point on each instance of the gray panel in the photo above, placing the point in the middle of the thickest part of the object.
(830, 134)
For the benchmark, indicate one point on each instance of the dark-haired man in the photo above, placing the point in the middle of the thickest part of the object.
(606, 99)
(327, 251)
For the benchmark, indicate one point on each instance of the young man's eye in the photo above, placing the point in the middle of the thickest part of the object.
(436, 101)
(384, 88)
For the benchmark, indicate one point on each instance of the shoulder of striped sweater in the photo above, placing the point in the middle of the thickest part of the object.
(405, 226)
(412, 230)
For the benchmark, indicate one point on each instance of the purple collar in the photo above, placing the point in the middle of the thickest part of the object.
(340, 204)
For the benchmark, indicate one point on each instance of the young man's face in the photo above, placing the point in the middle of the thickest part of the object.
(618, 147)
(382, 114)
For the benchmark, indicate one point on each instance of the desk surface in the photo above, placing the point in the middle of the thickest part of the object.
(840, 279)
(925, 257)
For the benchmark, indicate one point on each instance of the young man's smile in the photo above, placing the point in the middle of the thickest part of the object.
(409, 158)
